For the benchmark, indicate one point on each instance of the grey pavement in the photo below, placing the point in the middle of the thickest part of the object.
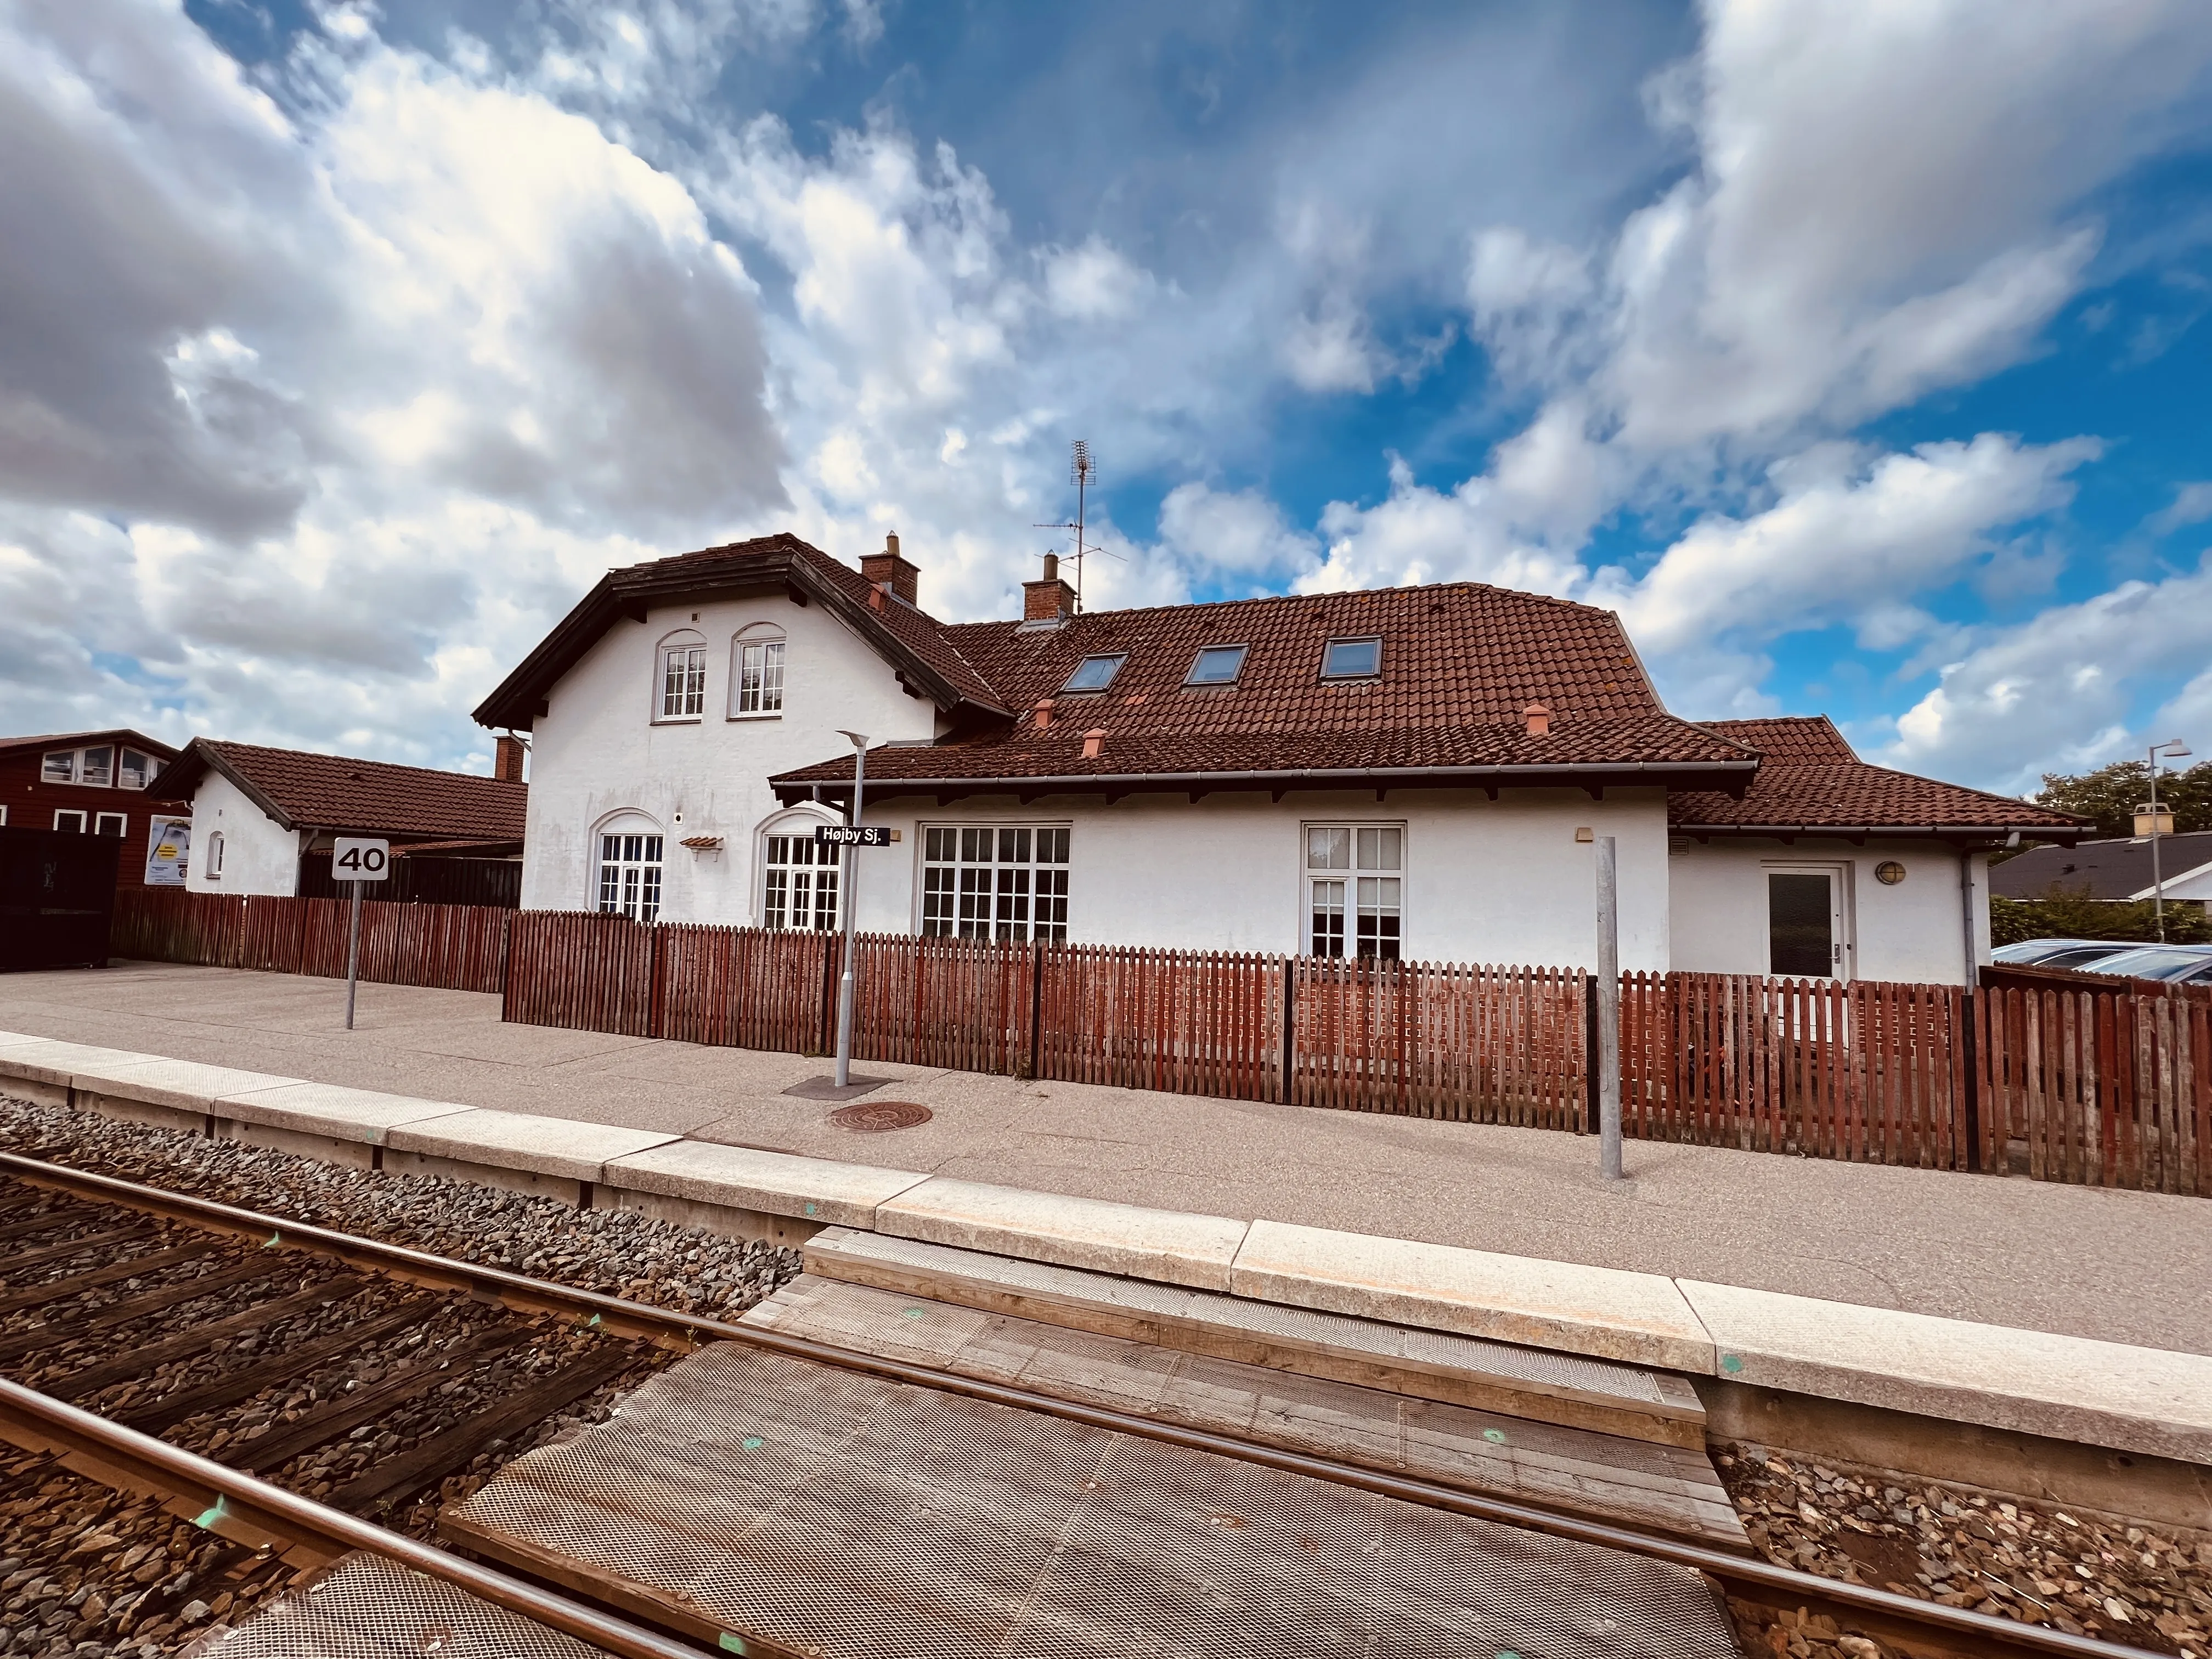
(2121, 1266)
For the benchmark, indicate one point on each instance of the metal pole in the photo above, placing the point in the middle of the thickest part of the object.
(1608, 1012)
(353, 954)
(846, 871)
(2157, 880)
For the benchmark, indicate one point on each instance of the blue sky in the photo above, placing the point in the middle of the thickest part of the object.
(1856, 355)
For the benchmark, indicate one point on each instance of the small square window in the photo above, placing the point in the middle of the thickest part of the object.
(1095, 673)
(1352, 660)
(109, 823)
(1217, 665)
(72, 822)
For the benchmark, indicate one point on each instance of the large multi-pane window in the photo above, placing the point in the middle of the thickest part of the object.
(760, 677)
(629, 876)
(800, 886)
(996, 881)
(1354, 877)
(682, 681)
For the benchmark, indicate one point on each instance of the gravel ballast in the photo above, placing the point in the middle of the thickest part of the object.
(616, 1252)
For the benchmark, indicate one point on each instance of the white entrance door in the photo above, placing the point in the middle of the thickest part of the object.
(1807, 934)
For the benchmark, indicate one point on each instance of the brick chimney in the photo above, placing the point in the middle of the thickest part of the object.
(892, 574)
(1048, 601)
(1538, 719)
(1094, 743)
(508, 751)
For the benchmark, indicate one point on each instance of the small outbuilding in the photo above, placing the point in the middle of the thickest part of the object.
(260, 816)
(2118, 872)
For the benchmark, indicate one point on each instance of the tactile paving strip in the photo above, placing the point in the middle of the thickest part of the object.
(832, 1513)
(365, 1607)
(1543, 1367)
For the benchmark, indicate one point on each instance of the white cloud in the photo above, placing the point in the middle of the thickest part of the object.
(1240, 531)
(2061, 690)
(1846, 540)
(2191, 504)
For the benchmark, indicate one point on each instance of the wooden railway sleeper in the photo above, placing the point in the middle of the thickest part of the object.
(91, 1379)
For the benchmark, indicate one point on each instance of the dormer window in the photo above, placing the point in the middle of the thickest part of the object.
(682, 677)
(136, 771)
(1352, 660)
(98, 767)
(1217, 665)
(1097, 673)
(59, 767)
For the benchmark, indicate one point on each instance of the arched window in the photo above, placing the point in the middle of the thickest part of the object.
(799, 879)
(757, 672)
(630, 868)
(682, 681)
(215, 856)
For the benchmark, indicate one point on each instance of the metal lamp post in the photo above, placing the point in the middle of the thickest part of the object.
(1607, 988)
(848, 867)
(2173, 749)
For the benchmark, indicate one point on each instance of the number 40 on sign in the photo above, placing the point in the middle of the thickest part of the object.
(355, 857)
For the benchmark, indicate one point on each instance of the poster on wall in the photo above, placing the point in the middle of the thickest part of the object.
(168, 849)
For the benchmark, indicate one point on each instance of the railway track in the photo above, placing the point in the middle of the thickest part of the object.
(299, 1394)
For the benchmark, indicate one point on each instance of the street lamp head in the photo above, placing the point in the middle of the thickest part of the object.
(858, 740)
(2173, 748)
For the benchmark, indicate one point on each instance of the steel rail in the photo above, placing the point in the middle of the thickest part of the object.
(1878, 1612)
(245, 1502)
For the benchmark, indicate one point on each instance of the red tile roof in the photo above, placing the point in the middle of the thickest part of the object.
(1460, 664)
(372, 798)
(1810, 777)
(917, 644)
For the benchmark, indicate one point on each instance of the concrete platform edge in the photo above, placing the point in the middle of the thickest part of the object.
(1940, 1368)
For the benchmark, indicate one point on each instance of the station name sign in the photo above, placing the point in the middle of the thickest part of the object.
(851, 834)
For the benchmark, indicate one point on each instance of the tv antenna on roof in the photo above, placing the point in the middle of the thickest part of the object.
(1082, 472)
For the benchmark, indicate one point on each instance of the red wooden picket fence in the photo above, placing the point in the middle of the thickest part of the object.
(2067, 1082)
(451, 947)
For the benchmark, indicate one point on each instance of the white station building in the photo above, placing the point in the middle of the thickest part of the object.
(1411, 772)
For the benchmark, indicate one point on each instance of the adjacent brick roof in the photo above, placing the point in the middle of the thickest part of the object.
(372, 798)
(1460, 663)
(1810, 777)
(2100, 869)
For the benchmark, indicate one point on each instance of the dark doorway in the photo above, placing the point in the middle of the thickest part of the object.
(1800, 925)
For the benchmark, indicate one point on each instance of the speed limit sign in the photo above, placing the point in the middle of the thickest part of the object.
(357, 859)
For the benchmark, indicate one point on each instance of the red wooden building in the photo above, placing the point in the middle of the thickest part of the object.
(89, 782)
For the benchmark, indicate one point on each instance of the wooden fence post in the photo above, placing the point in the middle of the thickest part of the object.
(1290, 1028)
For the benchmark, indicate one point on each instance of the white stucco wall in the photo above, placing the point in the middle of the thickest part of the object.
(600, 754)
(1914, 931)
(260, 855)
(1501, 882)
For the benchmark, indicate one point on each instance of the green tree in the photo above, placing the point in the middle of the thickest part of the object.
(2111, 794)
(2071, 915)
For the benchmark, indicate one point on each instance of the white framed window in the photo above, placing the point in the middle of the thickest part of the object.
(60, 767)
(215, 856)
(96, 767)
(134, 770)
(757, 674)
(996, 881)
(4, 815)
(1355, 888)
(799, 882)
(70, 819)
(682, 677)
(110, 823)
(629, 875)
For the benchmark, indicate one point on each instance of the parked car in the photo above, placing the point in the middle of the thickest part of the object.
(2060, 952)
(2176, 964)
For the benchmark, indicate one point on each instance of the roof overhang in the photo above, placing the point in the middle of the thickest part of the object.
(181, 780)
(1729, 776)
(1973, 834)
(782, 568)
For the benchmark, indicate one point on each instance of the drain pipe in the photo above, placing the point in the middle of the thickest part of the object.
(1967, 914)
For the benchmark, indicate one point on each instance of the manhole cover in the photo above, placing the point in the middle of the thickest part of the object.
(874, 1115)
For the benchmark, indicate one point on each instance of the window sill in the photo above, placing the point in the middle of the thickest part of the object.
(680, 719)
(772, 714)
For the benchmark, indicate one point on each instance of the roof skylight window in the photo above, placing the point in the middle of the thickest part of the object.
(1217, 665)
(1096, 674)
(1352, 660)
